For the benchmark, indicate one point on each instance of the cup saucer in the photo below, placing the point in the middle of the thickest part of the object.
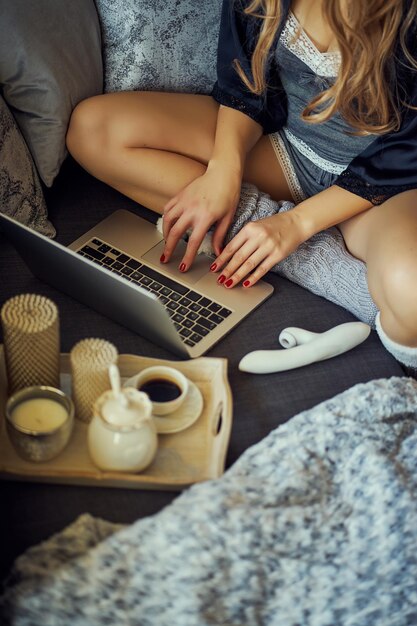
(184, 416)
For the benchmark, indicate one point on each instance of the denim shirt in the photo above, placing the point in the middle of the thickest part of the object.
(386, 167)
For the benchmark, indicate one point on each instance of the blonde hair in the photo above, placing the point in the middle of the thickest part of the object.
(365, 92)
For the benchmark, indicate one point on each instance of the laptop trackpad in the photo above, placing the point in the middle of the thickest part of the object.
(199, 268)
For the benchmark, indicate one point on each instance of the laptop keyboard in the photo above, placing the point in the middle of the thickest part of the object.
(193, 314)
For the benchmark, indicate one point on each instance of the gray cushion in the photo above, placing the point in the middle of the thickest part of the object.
(50, 59)
(21, 194)
(160, 45)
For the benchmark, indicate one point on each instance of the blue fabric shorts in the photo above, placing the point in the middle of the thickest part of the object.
(304, 178)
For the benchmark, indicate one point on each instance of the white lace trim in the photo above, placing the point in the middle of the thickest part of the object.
(287, 168)
(324, 164)
(295, 39)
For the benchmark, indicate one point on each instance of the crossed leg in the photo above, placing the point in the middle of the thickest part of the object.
(385, 238)
(151, 145)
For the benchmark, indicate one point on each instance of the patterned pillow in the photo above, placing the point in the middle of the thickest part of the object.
(160, 45)
(21, 194)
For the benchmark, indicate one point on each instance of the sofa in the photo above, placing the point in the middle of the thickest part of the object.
(65, 199)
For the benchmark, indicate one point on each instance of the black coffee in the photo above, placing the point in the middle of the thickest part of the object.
(161, 390)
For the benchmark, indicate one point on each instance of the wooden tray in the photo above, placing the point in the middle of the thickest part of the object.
(192, 455)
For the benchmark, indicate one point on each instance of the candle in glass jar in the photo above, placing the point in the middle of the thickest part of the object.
(39, 414)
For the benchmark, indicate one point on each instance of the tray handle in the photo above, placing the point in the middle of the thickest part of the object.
(217, 422)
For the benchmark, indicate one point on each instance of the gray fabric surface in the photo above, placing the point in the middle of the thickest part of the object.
(76, 202)
(21, 195)
(158, 45)
(315, 525)
(50, 59)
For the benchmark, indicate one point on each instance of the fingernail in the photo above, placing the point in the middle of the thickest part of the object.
(246, 283)
(182, 267)
(213, 267)
(162, 259)
(228, 283)
(221, 279)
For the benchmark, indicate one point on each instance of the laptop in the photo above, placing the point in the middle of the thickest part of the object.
(115, 269)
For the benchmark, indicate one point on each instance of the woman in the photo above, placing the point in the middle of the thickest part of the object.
(313, 104)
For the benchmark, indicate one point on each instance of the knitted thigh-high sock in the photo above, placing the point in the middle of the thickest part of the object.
(406, 355)
(322, 264)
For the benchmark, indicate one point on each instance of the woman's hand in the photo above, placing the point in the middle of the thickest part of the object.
(210, 198)
(258, 247)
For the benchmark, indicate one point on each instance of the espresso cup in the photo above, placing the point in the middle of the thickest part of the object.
(165, 386)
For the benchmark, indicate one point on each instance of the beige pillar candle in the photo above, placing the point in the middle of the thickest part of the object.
(30, 325)
(90, 360)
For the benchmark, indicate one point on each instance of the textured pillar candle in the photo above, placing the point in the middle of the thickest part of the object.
(30, 325)
(90, 360)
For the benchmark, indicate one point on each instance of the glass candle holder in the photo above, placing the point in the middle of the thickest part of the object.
(39, 422)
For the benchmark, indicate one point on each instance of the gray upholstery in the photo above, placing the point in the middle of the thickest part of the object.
(76, 202)
(53, 48)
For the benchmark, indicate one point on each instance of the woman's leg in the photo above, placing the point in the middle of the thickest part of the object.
(385, 238)
(150, 145)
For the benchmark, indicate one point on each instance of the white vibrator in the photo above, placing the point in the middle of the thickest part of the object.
(304, 347)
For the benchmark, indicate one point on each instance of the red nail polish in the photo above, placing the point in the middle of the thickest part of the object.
(182, 267)
(221, 279)
(246, 283)
(228, 283)
(213, 267)
(162, 259)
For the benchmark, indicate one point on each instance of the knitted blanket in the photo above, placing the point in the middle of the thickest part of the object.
(315, 525)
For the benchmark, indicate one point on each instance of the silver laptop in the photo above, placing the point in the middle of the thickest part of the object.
(114, 268)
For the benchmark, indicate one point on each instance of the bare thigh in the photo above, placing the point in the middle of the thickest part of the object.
(385, 230)
(105, 131)
(385, 238)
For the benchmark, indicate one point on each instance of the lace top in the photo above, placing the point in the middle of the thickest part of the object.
(295, 39)
(305, 72)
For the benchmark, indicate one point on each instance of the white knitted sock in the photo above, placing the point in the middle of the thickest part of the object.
(406, 355)
(322, 264)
